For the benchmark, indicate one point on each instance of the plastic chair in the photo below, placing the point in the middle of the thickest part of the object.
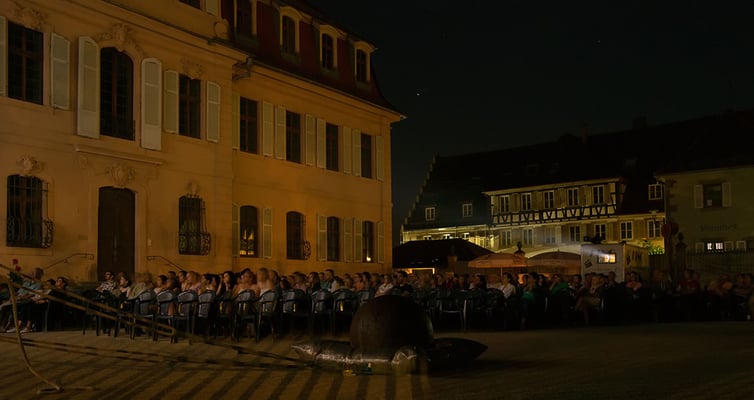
(243, 312)
(294, 306)
(267, 312)
(93, 311)
(322, 309)
(365, 295)
(205, 311)
(166, 306)
(345, 304)
(140, 309)
(185, 314)
(451, 303)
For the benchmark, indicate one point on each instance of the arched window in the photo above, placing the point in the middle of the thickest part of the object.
(116, 94)
(249, 227)
(294, 233)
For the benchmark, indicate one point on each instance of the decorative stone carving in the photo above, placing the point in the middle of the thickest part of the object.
(192, 69)
(82, 161)
(28, 165)
(30, 18)
(121, 174)
(120, 38)
(222, 30)
(192, 188)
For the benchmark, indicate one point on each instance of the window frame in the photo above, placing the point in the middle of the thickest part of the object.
(654, 229)
(574, 234)
(526, 202)
(598, 194)
(293, 140)
(467, 209)
(332, 147)
(626, 230)
(655, 191)
(295, 228)
(333, 239)
(189, 107)
(117, 120)
(368, 242)
(248, 126)
(600, 230)
(573, 197)
(27, 82)
(248, 217)
(366, 156)
(27, 195)
(548, 199)
(430, 213)
(192, 236)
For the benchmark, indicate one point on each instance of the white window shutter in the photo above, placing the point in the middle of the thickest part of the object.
(311, 139)
(170, 81)
(727, 195)
(151, 104)
(60, 48)
(358, 254)
(356, 142)
(268, 129)
(321, 143)
(267, 233)
(698, 196)
(347, 150)
(380, 242)
(379, 154)
(280, 132)
(3, 58)
(348, 239)
(213, 112)
(236, 125)
(235, 234)
(211, 6)
(88, 98)
(321, 237)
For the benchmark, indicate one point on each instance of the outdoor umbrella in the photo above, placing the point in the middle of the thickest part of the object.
(499, 260)
(556, 260)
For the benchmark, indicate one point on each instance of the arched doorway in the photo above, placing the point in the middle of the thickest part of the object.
(116, 231)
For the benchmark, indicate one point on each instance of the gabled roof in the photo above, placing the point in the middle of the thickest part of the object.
(634, 156)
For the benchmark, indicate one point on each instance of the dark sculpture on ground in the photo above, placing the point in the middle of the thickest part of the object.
(390, 334)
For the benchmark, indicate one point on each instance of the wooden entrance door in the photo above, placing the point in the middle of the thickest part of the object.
(116, 231)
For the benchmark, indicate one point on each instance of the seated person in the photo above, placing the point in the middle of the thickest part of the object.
(23, 295)
(32, 314)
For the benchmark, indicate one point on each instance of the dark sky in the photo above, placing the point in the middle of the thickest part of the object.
(477, 75)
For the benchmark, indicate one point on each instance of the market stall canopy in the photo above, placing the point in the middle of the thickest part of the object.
(434, 253)
(499, 260)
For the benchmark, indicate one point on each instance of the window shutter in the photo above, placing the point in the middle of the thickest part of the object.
(356, 152)
(311, 139)
(379, 154)
(267, 233)
(151, 103)
(727, 195)
(268, 129)
(3, 60)
(348, 239)
(211, 6)
(321, 143)
(280, 132)
(170, 101)
(357, 245)
(59, 68)
(236, 125)
(317, 46)
(88, 99)
(698, 196)
(347, 150)
(213, 112)
(235, 234)
(321, 237)
(380, 242)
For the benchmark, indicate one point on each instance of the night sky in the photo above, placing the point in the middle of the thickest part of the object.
(481, 75)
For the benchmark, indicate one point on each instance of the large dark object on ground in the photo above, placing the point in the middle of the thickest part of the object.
(389, 322)
(390, 335)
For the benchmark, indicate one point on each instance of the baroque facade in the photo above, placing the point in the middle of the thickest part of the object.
(204, 135)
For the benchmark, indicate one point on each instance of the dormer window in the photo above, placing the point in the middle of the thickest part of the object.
(289, 33)
(361, 66)
(239, 14)
(361, 53)
(328, 52)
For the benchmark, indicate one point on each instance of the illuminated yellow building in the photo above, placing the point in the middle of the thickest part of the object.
(146, 136)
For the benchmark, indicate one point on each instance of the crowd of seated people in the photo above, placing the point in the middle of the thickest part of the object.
(530, 299)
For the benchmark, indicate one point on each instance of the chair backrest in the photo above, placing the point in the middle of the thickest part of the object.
(345, 301)
(321, 301)
(294, 301)
(244, 302)
(205, 302)
(164, 299)
(144, 302)
(187, 303)
(268, 302)
(365, 295)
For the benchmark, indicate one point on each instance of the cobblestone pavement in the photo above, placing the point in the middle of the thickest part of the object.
(710, 360)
